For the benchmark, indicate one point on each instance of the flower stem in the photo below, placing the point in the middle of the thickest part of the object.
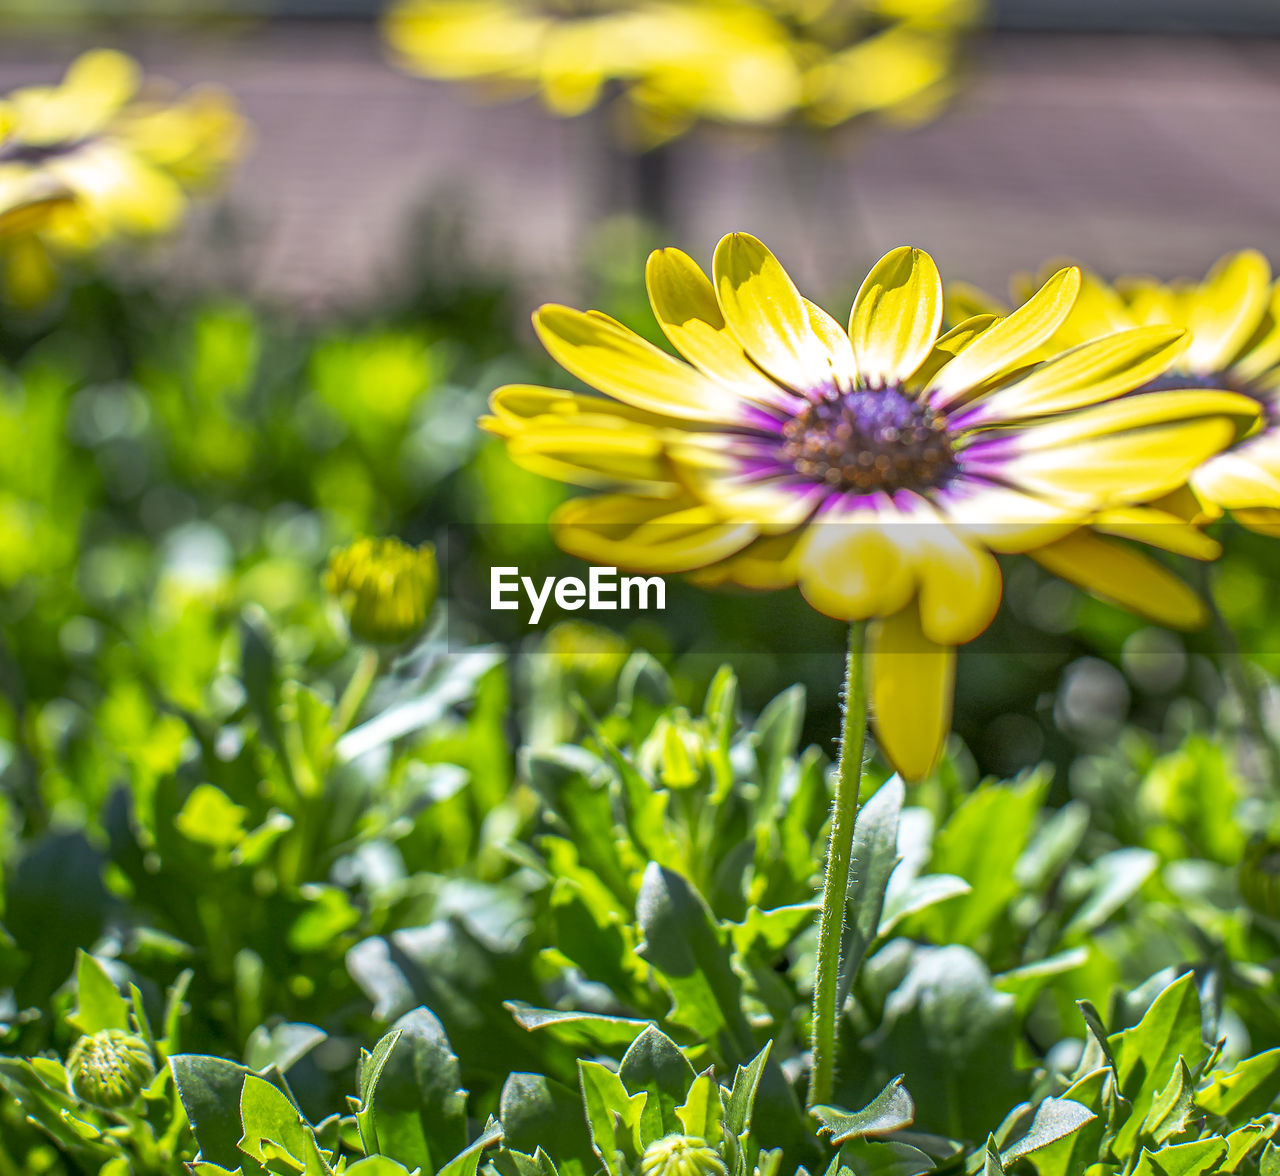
(1235, 669)
(835, 889)
(357, 689)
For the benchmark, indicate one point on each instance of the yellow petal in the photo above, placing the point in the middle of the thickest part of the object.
(619, 363)
(1120, 468)
(1226, 309)
(959, 582)
(644, 535)
(1005, 519)
(515, 406)
(1007, 343)
(850, 567)
(594, 453)
(684, 303)
(765, 310)
(1137, 412)
(766, 565)
(911, 688)
(963, 300)
(1263, 520)
(1157, 528)
(896, 316)
(1098, 310)
(949, 346)
(1087, 374)
(1261, 353)
(1124, 576)
(844, 367)
(1248, 476)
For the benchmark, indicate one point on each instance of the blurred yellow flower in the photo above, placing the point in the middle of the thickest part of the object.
(677, 62)
(880, 468)
(99, 156)
(386, 588)
(1232, 320)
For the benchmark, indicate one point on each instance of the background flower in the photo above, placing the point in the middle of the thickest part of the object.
(99, 156)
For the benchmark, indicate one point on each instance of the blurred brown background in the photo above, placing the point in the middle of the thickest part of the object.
(1131, 150)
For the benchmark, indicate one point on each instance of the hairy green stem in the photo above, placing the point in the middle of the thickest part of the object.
(1235, 669)
(357, 689)
(835, 889)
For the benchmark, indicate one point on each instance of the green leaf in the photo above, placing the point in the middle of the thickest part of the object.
(875, 856)
(701, 1115)
(1242, 1142)
(982, 843)
(1246, 1091)
(1074, 1151)
(1146, 1053)
(377, 1166)
(210, 817)
(1182, 1159)
(1171, 1107)
(613, 1117)
(417, 1109)
(1055, 1119)
(742, 1093)
(467, 1161)
(538, 1112)
(268, 1117)
(1117, 877)
(281, 1046)
(683, 942)
(654, 1065)
(210, 1092)
(99, 1004)
(864, 1157)
(600, 1030)
(891, 1110)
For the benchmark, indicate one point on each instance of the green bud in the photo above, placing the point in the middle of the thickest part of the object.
(681, 1155)
(1260, 877)
(386, 588)
(108, 1070)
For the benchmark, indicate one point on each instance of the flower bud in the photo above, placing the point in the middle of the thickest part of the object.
(108, 1070)
(681, 1155)
(1260, 878)
(385, 587)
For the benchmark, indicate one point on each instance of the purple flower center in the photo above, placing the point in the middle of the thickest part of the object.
(869, 440)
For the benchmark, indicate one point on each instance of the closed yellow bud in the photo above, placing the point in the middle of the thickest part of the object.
(386, 588)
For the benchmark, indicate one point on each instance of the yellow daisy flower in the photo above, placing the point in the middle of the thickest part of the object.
(753, 62)
(879, 468)
(95, 157)
(1232, 320)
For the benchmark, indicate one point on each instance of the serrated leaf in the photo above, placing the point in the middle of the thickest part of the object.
(1171, 1107)
(210, 1088)
(577, 1028)
(1054, 1119)
(740, 1104)
(613, 1117)
(1245, 1091)
(702, 1113)
(416, 1104)
(653, 1064)
(1182, 1159)
(683, 942)
(891, 1110)
(467, 1162)
(1072, 1152)
(1145, 1054)
(270, 1122)
(875, 856)
(1242, 1142)
(538, 1112)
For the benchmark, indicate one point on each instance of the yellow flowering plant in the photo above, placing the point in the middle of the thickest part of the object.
(880, 468)
(677, 62)
(100, 155)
